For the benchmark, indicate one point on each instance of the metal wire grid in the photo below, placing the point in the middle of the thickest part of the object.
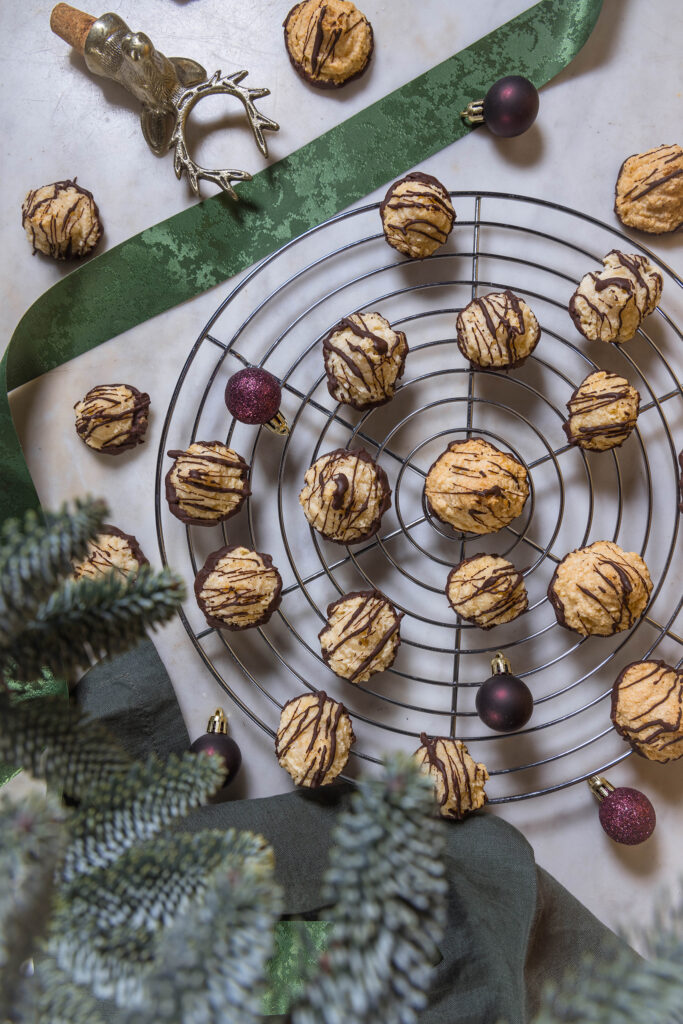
(470, 400)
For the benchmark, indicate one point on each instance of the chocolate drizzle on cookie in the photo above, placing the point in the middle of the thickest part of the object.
(363, 373)
(603, 411)
(486, 590)
(238, 588)
(647, 709)
(352, 624)
(207, 484)
(315, 717)
(497, 331)
(120, 406)
(457, 776)
(342, 502)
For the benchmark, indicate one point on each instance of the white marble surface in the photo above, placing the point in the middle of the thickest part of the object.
(622, 94)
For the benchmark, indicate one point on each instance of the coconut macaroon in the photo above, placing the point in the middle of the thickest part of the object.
(647, 709)
(603, 411)
(361, 636)
(207, 484)
(497, 331)
(313, 739)
(329, 42)
(61, 220)
(600, 590)
(611, 304)
(458, 780)
(345, 495)
(364, 358)
(486, 590)
(112, 418)
(238, 588)
(476, 488)
(417, 215)
(111, 551)
(649, 190)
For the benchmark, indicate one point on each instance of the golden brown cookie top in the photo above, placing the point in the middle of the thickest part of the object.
(610, 304)
(313, 739)
(361, 636)
(417, 215)
(486, 590)
(111, 551)
(600, 590)
(61, 220)
(329, 42)
(238, 588)
(208, 483)
(649, 190)
(345, 495)
(458, 780)
(112, 418)
(497, 330)
(603, 411)
(364, 358)
(647, 709)
(476, 488)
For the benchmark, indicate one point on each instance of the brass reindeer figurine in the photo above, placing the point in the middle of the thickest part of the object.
(167, 87)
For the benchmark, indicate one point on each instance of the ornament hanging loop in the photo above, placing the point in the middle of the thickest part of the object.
(500, 664)
(600, 787)
(473, 112)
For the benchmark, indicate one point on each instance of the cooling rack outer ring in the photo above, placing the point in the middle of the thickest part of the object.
(230, 351)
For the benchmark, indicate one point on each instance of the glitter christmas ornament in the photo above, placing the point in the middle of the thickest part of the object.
(253, 396)
(509, 107)
(504, 702)
(626, 815)
(216, 741)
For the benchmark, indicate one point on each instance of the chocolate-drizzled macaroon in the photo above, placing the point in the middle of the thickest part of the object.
(112, 418)
(486, 590)
(361, 636)
(610, 304)
(600, 590)
(649, 190)
(61, 220)
(364, 358)
(476, 488)
(458, 780)
(345, 495)
(313, 739)
(647, 709)
(207, 484)
(602, 412)
(238, 588)
(329, 42)
(111, 551)
(497, 331)
(417, 215)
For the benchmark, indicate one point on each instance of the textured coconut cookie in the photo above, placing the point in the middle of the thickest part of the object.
(611, 304)
(476, 488)
(238, 588)
(458, 780)
(600, 590)
(497, 331)
(364, 358)
(112, 418)
(61, 220)
(647, 709)
(486, 590)
(111, 551)
(345, 495)
(313, 739)
(361, 636)
(602, 412)
(417, 215)
(649, 190)
(208, 483)
(329, 42)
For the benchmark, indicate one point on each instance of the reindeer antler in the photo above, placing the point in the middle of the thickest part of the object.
(229, 84)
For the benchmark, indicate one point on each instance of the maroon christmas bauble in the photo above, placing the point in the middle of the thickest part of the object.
(253, 395)
(510, 106)
(627, 816)
(223, 745)
(504, 702)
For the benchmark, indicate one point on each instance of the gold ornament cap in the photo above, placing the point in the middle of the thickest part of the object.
(500, 664)
(218, 722)
(600, 787)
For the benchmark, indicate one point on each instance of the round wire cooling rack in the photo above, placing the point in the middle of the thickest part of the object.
(276, 317)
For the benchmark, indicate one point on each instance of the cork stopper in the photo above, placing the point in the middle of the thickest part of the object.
(73, 26)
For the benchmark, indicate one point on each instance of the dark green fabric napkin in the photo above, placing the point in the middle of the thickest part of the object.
(511, 926)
